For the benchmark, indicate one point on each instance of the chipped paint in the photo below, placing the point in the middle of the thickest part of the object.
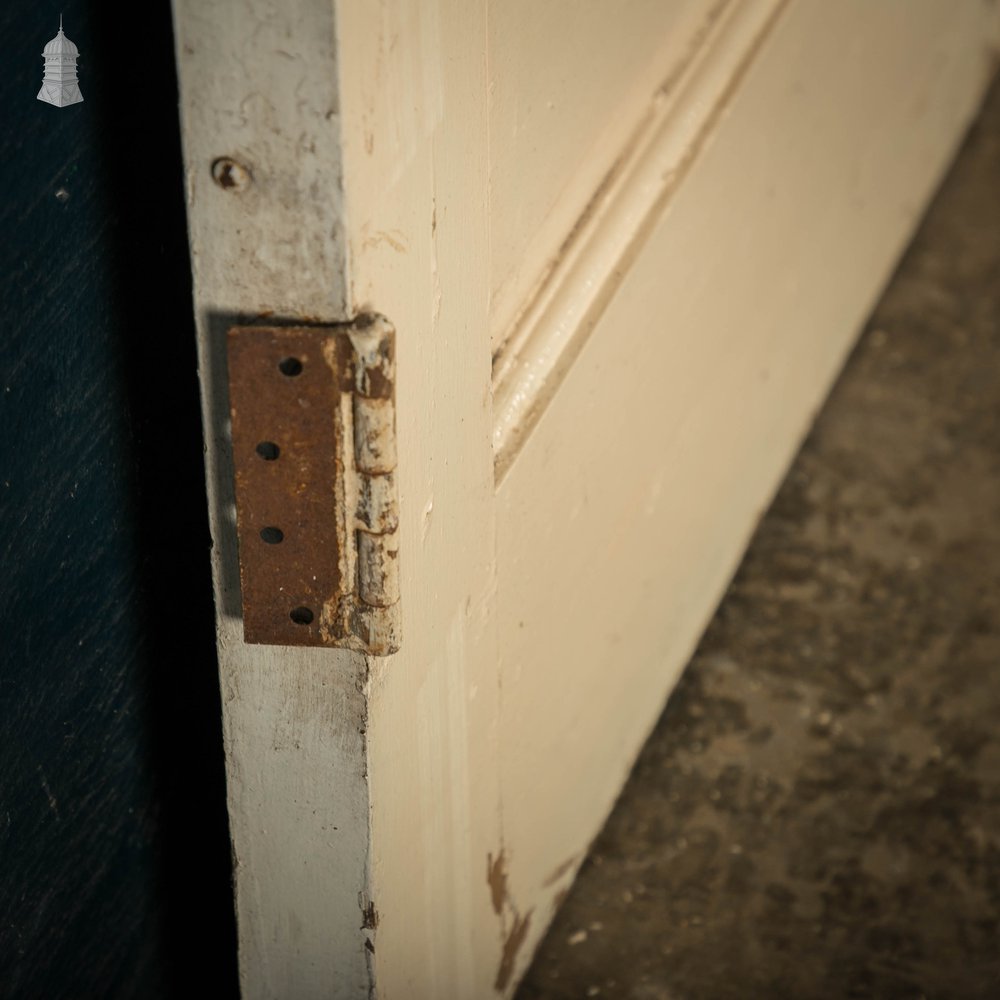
(514, 937)
(369, 915)
(496, 877)
(510, 949)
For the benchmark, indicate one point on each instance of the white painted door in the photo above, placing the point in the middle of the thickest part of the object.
(625, 247)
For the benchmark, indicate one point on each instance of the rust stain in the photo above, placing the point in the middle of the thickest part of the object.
(510, 948)
(496, 877)
(285, 467)
(559, 872)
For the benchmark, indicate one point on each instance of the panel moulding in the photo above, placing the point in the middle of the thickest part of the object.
(554, 324)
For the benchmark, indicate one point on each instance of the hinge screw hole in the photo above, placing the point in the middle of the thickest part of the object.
(301, 616)
(272, 535)
(290, 367)
(268, 451)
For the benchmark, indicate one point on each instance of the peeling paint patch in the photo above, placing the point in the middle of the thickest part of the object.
(496, 878)
(510, 948)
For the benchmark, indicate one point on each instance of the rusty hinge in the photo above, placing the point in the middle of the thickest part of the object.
(314, 453)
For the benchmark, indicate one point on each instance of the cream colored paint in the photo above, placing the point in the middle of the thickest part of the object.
(417, 227)
(568, 81)
(629, 504)
(564, 307)
(543, 622)
(674, 424)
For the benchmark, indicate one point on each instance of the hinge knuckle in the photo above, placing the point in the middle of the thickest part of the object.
(377, 508)
(374, 435)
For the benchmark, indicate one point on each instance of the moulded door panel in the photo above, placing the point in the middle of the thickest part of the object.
(569, 82)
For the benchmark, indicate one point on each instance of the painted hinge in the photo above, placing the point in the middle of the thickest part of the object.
(314, 457)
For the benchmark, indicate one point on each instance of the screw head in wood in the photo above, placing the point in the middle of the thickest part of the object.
(231, 175)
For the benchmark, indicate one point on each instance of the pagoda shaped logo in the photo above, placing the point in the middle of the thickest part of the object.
(59, 86)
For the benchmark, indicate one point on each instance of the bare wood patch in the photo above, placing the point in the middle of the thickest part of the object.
(496, 877)
(510, 948)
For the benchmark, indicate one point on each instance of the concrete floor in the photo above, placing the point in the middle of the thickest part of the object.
(817, 814)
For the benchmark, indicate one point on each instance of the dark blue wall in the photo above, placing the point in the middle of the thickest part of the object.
(113, 843)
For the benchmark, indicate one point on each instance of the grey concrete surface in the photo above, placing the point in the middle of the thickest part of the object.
(817, 814)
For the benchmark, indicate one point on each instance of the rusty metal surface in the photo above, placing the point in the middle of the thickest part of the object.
(285, 399)
(314, 456)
